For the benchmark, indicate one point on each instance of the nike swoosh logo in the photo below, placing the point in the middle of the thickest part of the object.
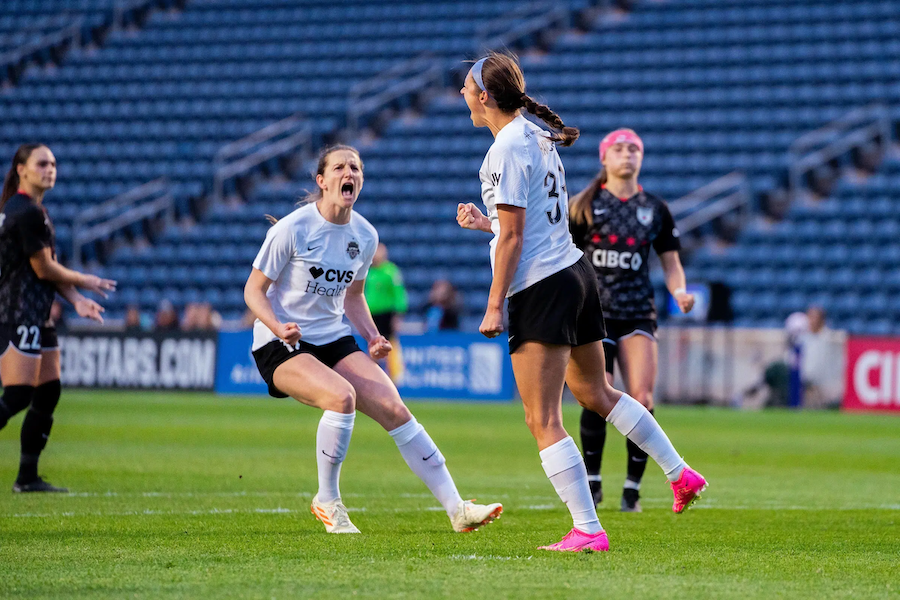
(328, 455)
(316, 248)
(430, 455)
(636, 459)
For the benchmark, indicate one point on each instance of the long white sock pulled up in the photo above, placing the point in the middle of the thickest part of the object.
(332, 441)
(427, 462)
(637, 424)
(564, 466)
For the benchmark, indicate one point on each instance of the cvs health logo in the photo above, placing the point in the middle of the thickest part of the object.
(873, 374)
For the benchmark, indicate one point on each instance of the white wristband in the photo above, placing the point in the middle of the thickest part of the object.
(678, 291)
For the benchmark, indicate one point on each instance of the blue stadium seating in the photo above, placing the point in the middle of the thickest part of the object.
(711, 85)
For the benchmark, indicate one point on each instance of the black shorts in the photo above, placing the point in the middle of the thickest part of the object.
(272, 355)
(618, 329)
(384, 322)
(561, 309)
(28, 339)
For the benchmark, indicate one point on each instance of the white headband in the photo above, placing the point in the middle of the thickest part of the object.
(476, 74)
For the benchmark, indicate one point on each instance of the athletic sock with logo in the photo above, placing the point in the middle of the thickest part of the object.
(564, 467)
(332, 442)
(593, 438)
(426, 461)
(637, 424)
(637, 463)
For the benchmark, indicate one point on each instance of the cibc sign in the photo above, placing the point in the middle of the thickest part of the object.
(873, 374)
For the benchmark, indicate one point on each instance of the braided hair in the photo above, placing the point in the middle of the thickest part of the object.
(505, 83)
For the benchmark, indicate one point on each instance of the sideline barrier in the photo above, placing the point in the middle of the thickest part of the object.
(873, 374)
(459, 366)
(157, 360)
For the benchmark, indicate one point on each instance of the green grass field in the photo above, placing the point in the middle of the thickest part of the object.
(195, 496)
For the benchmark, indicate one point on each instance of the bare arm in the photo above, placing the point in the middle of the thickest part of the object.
(255, 296)
(47, 268)
(357, 310)
(675, 280)
(506, 260)
(469, 217)
(85, 307)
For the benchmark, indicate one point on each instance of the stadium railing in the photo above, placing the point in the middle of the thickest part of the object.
(275, 140)
(820, 147)
(727, 196)
(13, 62)
(403, 80)
(408, 80)
(102, 221)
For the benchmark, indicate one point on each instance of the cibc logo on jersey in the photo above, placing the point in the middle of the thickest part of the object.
(613, 259)
(338, 276)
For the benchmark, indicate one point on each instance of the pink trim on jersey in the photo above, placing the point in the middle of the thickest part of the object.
(640, 189)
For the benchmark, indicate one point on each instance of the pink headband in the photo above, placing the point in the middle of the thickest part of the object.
(620, 136)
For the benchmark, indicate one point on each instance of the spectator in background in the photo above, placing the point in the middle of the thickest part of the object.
(199, 316)
(385, 293)
(133, 321)
(821, 361)
(166, 317)
(443, 308)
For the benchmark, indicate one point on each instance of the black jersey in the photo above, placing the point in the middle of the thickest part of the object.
(25, 229)
(618, 245)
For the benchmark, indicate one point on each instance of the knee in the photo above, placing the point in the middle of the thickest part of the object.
(46, 397)
(341, 400)
(539, 422)
(398, 414)
(15, 399)
(600, 400)
(645, 397)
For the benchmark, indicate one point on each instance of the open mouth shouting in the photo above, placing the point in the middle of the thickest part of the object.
(347, 189)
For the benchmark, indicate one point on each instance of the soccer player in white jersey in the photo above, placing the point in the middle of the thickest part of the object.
(310, 272)
(555, 318)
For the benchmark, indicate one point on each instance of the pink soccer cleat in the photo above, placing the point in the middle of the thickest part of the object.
(687, 489)
(579, 541)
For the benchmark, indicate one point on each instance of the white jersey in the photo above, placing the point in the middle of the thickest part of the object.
(312, 262)
(522, 168)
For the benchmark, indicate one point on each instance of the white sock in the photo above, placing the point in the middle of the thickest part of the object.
(427, 462)
(637, 424)
(564, 466)
(332, 441)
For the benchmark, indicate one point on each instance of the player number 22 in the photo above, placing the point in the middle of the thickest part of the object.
(23, 342)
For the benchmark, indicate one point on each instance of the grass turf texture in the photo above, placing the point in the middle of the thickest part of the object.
(196, 496)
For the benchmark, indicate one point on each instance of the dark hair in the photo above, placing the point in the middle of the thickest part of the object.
(11, 182)
(316, 195)
(505, 83)
(580, 212)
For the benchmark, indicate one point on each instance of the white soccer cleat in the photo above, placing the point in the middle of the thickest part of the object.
(470, 516)
(333, 515)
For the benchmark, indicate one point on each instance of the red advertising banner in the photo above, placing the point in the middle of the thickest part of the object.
(873, 374)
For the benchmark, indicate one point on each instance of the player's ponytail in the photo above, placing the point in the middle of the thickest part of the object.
(580, 211)
(11, 181)
(505, 83)
(316, 194)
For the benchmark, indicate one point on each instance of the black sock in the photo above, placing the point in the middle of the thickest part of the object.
(36, 429)
(593, 436)
(637, 461)
(15, 399)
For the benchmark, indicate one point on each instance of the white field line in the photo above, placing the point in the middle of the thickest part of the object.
(282, 510)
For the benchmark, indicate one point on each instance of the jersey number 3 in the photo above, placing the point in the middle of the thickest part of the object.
(550, 181)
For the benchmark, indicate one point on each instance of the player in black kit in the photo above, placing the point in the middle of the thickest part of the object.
(616, 222)
(30, 278)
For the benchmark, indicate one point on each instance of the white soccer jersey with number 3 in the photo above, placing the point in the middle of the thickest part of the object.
(522, 168)
(312, 262)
